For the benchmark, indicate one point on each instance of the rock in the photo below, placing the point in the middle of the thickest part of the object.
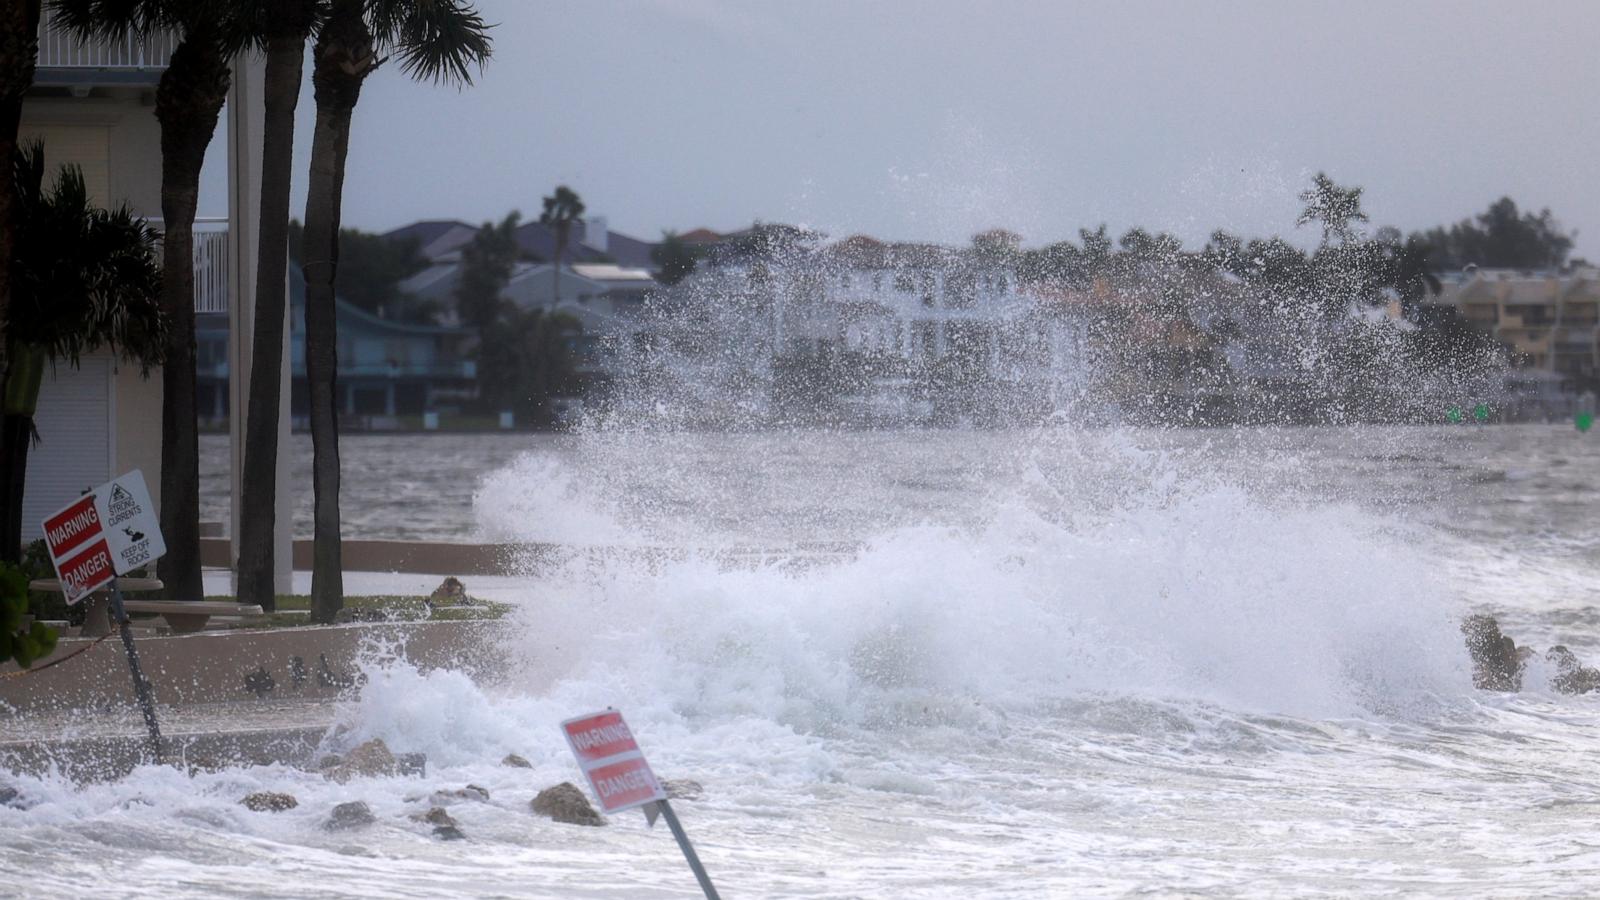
(470, 792)
(444, 825)
(516, 762)
(565, 803)
(10, 796)
(1497, 663)
(450, 592)
(414, 765)
(435, 816)
(332, 760)
(369, 760)
(683, 789)
(346, 816)
(1572, 676)
(267, 801)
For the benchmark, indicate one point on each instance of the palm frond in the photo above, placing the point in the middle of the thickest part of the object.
(435, 40)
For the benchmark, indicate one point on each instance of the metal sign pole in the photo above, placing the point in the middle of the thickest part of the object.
(141, 687)
(688, 850)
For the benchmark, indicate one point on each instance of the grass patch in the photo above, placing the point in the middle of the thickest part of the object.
(294, 609)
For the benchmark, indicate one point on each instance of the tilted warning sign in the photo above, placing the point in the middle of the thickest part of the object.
(107, 532)
(611, 760)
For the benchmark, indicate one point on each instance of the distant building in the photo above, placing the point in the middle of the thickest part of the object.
(1549, 320)
(386, 368)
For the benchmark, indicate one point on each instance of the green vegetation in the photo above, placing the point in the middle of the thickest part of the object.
(21, 643)
(371, 268)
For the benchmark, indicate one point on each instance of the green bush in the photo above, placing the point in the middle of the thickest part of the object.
(22, 643)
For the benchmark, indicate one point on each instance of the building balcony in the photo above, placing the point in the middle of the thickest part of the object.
(65, 61)
(210, 264)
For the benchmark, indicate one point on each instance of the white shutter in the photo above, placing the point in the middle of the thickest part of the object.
(74, 450)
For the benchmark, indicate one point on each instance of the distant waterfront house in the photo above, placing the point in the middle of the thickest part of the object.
(386, 368)
(440, 241)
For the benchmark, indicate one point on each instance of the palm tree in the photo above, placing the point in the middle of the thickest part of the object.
(561, 209)
(81, 278)
(436, 40)
(19, 47)
(285, 27)
(189, 99)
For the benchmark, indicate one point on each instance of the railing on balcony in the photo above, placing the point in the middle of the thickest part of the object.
(60, 50)
(210, 263)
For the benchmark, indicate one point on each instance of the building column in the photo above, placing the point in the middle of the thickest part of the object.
(246, 124)
(388, 398)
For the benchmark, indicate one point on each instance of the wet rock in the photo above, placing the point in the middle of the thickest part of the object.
(471, 792)
(201, 762)
(444, 825)
(566, 803)
(268, 801)
(450, 592)
(1497, 662)
(683, 789)
(413, 765)
(10, 796)
(516, 762)
(346, 816)
(369, 760)
(1572, 676)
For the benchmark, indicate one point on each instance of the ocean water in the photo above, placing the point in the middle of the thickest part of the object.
(996, 664)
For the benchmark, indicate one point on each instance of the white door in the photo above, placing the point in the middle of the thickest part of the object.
(74, 452)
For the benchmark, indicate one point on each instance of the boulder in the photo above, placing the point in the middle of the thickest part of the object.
(346, 816)
(444, 825)
(414, 765)
(471, 792)
(1572, 676)
(369, 760)
(683, 789)
(1497, 662)
(450, 592)
(267, 801)
(10, 796)
(566, 803)
(516, 762)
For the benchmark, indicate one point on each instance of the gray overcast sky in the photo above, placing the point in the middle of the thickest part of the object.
(937, 119)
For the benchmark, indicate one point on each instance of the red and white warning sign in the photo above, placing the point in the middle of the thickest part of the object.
(611, 760)
(107, 532)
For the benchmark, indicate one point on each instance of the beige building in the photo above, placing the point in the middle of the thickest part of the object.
(1547, 319)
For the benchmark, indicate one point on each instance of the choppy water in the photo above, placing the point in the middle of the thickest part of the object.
(1047, 663)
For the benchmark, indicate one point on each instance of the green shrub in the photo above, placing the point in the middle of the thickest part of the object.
(22, 643)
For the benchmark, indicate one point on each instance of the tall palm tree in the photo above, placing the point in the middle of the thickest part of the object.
(19, 47)
(189, 99)
(81, 278)
(436, 40)
(285, 27)
(561, 209)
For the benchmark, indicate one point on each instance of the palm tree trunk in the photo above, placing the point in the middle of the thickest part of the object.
(188, 101)
(285, 57)
(343, 59)
(24, 376)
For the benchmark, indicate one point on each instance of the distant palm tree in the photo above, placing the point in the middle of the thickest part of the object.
(189, 99)
(438, 40)
(561, 209)
(81, 278)
(284, 28)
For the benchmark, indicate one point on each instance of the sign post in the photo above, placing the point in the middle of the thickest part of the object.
(619, 776)
(107, 532)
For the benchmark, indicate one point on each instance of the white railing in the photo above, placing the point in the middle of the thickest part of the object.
(59, 49)
(210, 263)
